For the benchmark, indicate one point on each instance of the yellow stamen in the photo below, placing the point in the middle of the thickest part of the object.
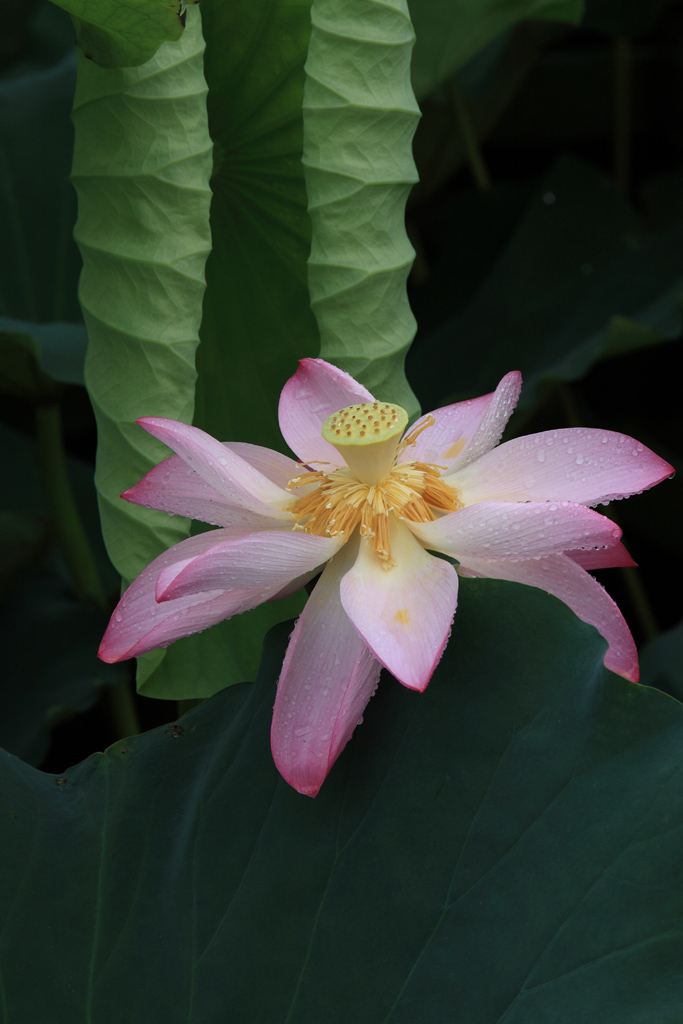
(412, 436)
(412, 490)
(374, 484)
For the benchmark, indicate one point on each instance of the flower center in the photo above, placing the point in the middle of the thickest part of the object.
(372, 487)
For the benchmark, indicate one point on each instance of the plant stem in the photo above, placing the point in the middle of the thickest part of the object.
(75, 546)
(65, 518)
(639, 601)
(120, 704)
(482, 178)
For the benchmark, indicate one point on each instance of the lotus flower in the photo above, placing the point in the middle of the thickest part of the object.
(365, 504)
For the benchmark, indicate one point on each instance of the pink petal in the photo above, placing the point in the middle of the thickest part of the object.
(253, 561)
(277, 467)
(608, 558)
(222, 469)
(404, 613)
(578, 464)
(140, 624)
(175, 488)
(464, 431)
(316, 390)
(517, 531)
(561, 576)
(327, 678)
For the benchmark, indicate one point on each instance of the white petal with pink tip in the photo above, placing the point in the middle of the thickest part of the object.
(501, 529)
(404, 613)
(561, 576)
(175, 488)
(327, 679)
(233, 477)
(579, 464)
(607, 558)
(140, 623)
(269, 559)
(492, 424)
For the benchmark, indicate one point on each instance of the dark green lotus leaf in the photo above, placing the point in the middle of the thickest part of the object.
(449, 34)
(504, 847)
(579, 281)
(39, 261)
(35, 356)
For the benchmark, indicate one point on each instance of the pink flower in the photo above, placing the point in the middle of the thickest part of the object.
(366, 507)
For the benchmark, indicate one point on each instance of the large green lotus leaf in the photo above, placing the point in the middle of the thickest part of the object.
(450, 33)
(142, 162)
(124, 33)
(579, 281)
(360, 115)
(504, 847)
(257, 320)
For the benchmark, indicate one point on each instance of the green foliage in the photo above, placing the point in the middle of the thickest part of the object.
(34, 356)
(359, 118)
(142, 161)
(257, 321)
(141, 164)
(662, 662)
(39, 262)
(578, 281)
(46, 682)
(256, 318)
(124, 33)
(449, 34)
(49, 639)
(504, 847)
(492, 849)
